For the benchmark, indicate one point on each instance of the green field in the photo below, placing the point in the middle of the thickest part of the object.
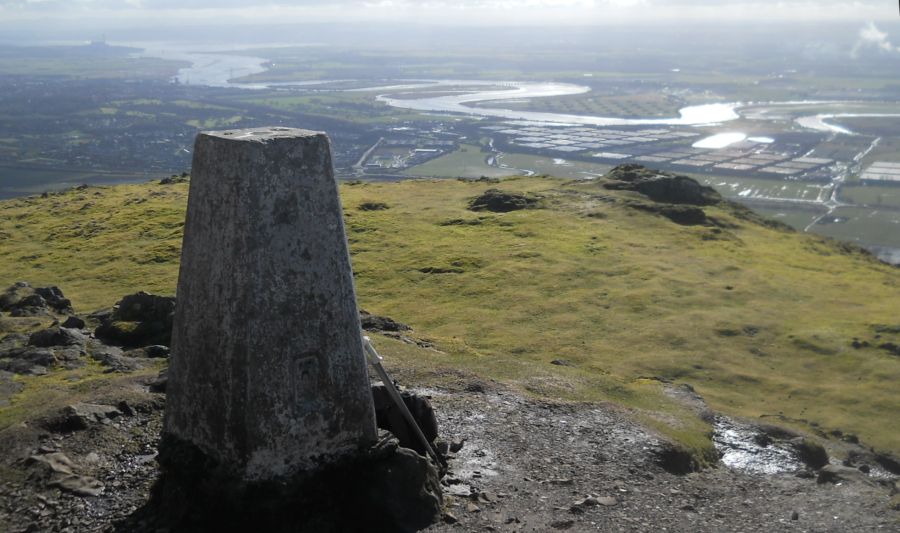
(357, 107)
(562, 168)
(879, 226)
(467, 162)
(760, 188)
(755, 318)
(887, 149)
(645, 105)
(98, 62)
(871, 195)
(798, 217)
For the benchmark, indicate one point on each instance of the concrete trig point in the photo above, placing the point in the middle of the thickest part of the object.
(269, 372)
(268, 380)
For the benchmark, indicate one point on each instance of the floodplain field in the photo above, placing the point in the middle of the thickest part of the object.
(865, 226)
(798, 217)
(97, 60)
(73, 129)
(746, 188)
(350, 106)
(550, 166)
(469, 161)
(596, 103)
(871, 195)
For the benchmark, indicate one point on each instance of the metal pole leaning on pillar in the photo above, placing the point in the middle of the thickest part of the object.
(375, 360)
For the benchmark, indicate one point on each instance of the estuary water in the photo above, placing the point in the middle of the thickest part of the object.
(215, 66)
(516, 90)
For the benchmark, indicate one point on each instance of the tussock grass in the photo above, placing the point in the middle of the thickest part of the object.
(759, 320)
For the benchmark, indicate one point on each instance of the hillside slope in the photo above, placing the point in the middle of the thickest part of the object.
(594, 278)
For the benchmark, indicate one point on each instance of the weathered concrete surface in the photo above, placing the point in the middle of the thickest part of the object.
(267, 373)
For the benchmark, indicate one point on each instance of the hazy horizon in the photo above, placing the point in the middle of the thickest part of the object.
(27, 20)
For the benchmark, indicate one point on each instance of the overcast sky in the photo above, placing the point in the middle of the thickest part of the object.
(466, 12)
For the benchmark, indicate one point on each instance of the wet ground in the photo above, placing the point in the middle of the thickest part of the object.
(525, 465)
(534, 466)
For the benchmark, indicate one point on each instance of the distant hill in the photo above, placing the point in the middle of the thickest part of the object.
(602, 290)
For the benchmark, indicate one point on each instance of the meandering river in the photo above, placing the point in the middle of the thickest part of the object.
(215, 67)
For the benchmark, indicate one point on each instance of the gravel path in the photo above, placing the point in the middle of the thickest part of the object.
(525, 465)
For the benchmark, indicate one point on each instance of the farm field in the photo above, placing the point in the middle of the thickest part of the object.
(761, 188)
(646, 105)
(469, 161)
(562, 168)
(887, 196)
(792, 215)
(864, 226)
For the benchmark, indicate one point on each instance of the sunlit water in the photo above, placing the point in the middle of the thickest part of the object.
(817, 122)
(741, 451)
(720, 140)
(457, 103)
(214, 66)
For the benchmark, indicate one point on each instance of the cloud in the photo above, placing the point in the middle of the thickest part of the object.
(871, 37)
(467, 12)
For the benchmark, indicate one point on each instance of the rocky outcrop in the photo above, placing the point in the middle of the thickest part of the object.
(138, 320)
(370, 322)
(56, 336)
(686, 215)
(36, 353)
(389, 418)
(660, 186)
(498, 201)
(21, 299)
(141, 319)
(81, 416)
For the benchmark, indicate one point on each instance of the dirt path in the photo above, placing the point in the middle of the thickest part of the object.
(528, 465)
(525, 465)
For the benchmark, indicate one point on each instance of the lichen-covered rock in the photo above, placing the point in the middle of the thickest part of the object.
(54, 298)
(81, 416)
(145, 307)
(498, 201)
(56, 336)
(139, 319)
(660, 186)
(372, 322)
(686, 215)
(73, 322)
(8, 387)
(114, 359)
(21, 299)
(28, 360)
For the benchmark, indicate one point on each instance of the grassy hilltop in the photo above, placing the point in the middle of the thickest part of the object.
(760, 320)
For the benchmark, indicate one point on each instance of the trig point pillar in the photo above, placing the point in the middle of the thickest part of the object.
(267, 377)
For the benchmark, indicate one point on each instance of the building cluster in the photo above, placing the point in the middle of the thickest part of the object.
(570, 140)
(664, 147)
(882, 172)
(747, 156)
